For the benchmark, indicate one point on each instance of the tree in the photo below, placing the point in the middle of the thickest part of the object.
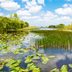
(14, 16)
(12, 23)
(60, 26)
(26, 24)
(52, 26)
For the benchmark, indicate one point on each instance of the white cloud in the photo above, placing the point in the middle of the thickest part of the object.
(64, 19)
(33, 2)
(65, 10)
(50, 15)
(35, 9)
(9, 5)
(50, 18)
(2, 0)
(23, 13)
(67, 5)
(41, 2)
(1, 14)
(30, 18)
(54, 21)
(45, 19)
(25, 0)
(5, 0)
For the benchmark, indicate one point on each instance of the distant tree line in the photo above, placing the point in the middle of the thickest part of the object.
(62, 26)
(12, 23)
(56, 26)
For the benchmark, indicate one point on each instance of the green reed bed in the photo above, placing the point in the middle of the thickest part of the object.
(54, 39)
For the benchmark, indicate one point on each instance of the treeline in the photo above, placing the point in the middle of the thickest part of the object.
(61, 26)
(56, 26)
(12, 23)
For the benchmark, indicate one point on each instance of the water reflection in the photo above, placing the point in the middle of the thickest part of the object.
(26, 40)
(9, 43)
(30, 40)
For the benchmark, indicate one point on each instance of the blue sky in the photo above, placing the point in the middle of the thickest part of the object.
(39, 12)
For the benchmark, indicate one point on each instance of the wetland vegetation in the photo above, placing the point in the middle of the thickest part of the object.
(16, 53)
(12, 23)
(55, 39)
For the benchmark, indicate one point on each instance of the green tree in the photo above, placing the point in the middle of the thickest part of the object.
(52, 26)
(60, 26)
(12, 23)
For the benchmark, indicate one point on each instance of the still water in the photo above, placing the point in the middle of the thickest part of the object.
(13, 41)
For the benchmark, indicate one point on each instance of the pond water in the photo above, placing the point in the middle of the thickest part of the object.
(11, 42)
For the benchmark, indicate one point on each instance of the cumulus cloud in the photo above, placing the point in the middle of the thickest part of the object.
(9, 5)
(65, 10)
(25, 0)
(35, 9)
(32, 6)
(50, 18)
(41, 1)
(32, 12)
(2, 0)
(64, 19)
(23, 12)
(5, 0)
(35, 1)
(1, 14)
(49, 15)
(44, 19)
(67, 5)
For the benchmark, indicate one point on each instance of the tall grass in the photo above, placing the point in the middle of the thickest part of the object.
(55, 39)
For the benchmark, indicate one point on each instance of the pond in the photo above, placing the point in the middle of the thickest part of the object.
(56, 45)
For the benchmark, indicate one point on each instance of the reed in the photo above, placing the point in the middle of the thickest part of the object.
(55, 39)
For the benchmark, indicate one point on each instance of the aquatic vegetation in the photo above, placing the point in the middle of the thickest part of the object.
(55, 70)
(14, 65)
(70, 65)
(1, 63)
(11, 40)
(44, 59)
(64, 68)
(54, 39)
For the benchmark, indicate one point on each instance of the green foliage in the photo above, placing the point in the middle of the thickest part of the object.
(70, 65)
(55, 70)
(1, 64)
(14, 64)
(28, 59)
(44, 59)
(54, 39)
(57, 26)
(12, 24)
(64, 68)
(36, 70)
(60, 26)
(51, 26)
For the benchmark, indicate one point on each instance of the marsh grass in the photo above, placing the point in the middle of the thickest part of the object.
(54, 39)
